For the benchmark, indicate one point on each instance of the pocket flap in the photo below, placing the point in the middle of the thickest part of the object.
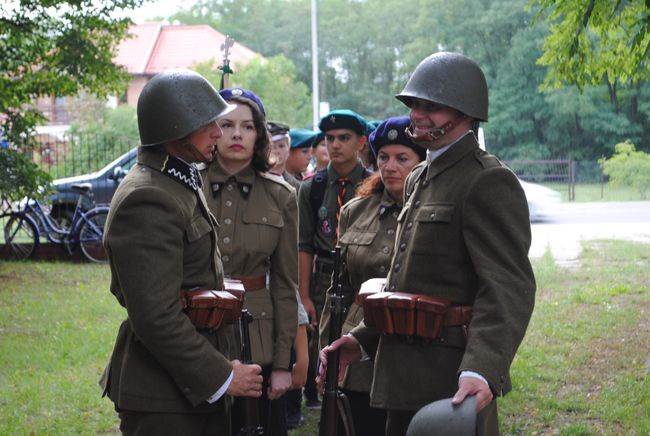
(435, 213)
(197, 228)
(263, 217)
(352, 237)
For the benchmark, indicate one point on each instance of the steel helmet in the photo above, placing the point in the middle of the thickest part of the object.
(441, 418)
(175, 103)
(450, 79)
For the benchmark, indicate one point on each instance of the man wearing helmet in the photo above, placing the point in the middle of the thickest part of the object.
(463, 240)
(166, 376)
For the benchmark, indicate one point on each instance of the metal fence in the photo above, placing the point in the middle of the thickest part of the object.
(564, 174)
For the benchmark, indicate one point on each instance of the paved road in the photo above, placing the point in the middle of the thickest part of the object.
(575, 222)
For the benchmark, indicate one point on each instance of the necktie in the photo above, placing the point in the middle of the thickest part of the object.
(341, 181)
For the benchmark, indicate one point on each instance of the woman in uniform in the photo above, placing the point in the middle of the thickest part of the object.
(367, 233)
(257, 215)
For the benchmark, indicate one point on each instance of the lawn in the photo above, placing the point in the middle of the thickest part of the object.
(582, 369)
(587, 192)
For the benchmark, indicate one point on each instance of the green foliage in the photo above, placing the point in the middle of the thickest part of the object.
(58, 48)
(274, 80)
(628, 167)
(592, 41)
(20, 177)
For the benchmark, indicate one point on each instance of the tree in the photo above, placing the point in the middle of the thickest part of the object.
(592, 41)
(55, 47)
(628, 167)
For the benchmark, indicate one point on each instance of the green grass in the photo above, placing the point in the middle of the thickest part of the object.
(581, 369)
(57, 324)
(587, 192)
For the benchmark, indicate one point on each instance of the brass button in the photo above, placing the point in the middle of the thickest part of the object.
(385, 250)
(225, 259)
(403, 246)
(397, 267)
(355, 240)
(226, 240)
(409, 225)
(382, 268)
(227, 221)
(264, 219)
(229, 187)
(391, 231)
(433, 215)
(228, 203)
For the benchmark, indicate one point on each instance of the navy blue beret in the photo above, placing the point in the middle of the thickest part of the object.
(229, 93)
(343, 119)
(301, 138)
(393, 131)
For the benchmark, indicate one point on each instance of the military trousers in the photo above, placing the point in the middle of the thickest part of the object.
(172, 424)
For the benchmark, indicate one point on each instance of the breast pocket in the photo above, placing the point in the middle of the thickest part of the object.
(263, 229)
(433, 224)
(198, 228)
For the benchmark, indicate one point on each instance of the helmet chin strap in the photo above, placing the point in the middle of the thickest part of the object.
(433, 133)
(197, 155)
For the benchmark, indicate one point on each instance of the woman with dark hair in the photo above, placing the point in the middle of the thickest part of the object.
(367, 228)
(257, 214)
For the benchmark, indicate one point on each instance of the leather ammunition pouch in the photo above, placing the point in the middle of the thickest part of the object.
(210, 309)
(408, 314)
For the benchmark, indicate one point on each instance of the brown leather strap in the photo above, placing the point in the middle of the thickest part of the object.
(252, 283)
(458, 315)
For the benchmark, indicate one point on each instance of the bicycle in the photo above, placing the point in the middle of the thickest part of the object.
(23, 226)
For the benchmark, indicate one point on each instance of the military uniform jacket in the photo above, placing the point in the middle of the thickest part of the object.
(258, 236)
(317, 233)
(464, 235)
(160, 239)
(367, 234)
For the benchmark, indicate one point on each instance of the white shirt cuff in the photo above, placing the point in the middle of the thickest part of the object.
(473, 375)
(222, 390)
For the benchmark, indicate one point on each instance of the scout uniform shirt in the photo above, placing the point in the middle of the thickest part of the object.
(463, 235)
(318, 228)
(257, 216)
(367, 235)
(291, 180)
(160, 239)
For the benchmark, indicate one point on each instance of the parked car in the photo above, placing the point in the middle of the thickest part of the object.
(104, 183)
(543, 202)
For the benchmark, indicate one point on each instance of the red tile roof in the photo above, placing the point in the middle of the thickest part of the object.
(156, 47)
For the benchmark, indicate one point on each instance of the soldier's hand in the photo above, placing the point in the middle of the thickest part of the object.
(473, 386)
(311, 312)
(350, 351)
(279, 384)
(246, 380)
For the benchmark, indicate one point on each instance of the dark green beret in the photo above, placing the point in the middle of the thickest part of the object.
(343, 119)
(301, 138)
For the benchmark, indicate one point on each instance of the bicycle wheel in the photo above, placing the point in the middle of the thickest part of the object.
(91, 233)
(20, 236)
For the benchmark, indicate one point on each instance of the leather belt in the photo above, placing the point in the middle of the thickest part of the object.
(252, 283)
(458, 315)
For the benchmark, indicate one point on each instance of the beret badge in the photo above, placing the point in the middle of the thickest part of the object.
(392, 134)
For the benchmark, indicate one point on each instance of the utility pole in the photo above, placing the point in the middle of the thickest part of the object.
(315, 98)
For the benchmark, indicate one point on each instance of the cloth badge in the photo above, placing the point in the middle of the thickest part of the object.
(326, 227)
(322, 212)
(182, 172)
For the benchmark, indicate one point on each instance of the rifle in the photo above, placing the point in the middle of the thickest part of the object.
(251, 426)
(225, 68)
(334, 401)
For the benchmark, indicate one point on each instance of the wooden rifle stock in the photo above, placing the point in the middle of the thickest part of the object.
(329, 415)
(251, 426)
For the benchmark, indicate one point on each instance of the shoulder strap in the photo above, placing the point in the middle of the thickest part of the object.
(486, 159)
(317, 192)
